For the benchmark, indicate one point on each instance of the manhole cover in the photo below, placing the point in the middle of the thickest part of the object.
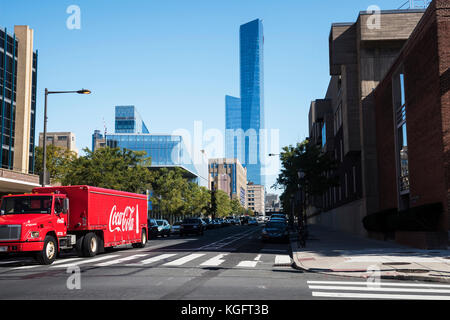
(395, 263)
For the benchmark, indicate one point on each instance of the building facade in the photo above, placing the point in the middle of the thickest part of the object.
(128, 120)
(65, 140)
(245, 142)
(237, 178)
(256, 198)
(18, 83)
(343, 122)
(412, 108)
(165, 151)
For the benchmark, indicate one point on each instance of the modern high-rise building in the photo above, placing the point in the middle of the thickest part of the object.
(245, 142)
(128, 120)
(233, 125)
(18, 77)
(165, 151)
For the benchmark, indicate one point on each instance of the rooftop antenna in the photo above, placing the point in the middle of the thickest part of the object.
(104, 126)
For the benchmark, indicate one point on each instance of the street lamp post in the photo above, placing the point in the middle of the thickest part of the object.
(44, 151)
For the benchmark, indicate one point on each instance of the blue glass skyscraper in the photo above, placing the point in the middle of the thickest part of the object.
(233, 123)
(246, 143)
(128, 120)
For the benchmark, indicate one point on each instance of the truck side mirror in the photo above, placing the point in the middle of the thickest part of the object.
(65, 206)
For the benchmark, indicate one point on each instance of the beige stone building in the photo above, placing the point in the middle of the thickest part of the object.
(236, 183)
(64, 140)
(256, 198)
(18, 61)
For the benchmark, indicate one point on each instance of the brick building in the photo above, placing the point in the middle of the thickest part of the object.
(343, 122)
(412, 109)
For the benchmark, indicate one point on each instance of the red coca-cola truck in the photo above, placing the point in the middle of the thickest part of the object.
(55, 219)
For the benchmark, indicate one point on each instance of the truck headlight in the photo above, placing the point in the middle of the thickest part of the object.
(34, 234)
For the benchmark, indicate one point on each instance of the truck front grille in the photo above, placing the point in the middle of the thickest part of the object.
(10, 232)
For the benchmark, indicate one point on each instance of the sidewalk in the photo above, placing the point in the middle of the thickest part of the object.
(342, 254)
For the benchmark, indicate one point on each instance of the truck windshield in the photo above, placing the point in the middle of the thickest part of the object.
(26, 205)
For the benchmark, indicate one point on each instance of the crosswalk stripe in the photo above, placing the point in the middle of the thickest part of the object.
(377, 296)
(247, 264)
(117, 261)
(184, 260)
(282, 259)
(84, 261)
(383, 284)
(38, 265)
(152, 259)
(215, 261)
(376, 289)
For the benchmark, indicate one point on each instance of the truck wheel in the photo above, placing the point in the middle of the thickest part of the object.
(49, 252)
(90, 245)
(143, 242)
(79, 246)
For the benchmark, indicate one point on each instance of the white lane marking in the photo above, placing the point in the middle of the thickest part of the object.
(215, 261)
(377, 296)
(247, 264)
(84, 261)
(120, 260)
(376, 289)
(385, 284)
(39, 265)
(258, 257)
(7, 262)
(282, 259)
(223, 242)
(184, 260)
(152, 259)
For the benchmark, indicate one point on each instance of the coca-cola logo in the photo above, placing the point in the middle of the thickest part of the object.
(124, 221)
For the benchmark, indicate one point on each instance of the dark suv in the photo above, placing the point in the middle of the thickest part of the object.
(192, 225)
(152, 229)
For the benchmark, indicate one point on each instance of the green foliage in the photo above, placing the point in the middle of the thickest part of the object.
(305, 167)
(110, 168)
(223, 204)
(58, 160)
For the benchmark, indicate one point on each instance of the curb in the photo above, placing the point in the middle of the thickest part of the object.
(297, 265)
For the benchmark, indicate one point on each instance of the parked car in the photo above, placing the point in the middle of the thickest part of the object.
(252, 222)
(163, 228)
(176, 227)
(152, 229)
(244, 220)
(192, 226)
(217, 223)
(209, 223)
(275, 230)
(278, 215)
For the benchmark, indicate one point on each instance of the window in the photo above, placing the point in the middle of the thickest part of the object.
(401, 134)
(324, 135)
(338, 118)
(62, 138)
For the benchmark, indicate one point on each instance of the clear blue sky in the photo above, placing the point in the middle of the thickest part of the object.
(176, 60)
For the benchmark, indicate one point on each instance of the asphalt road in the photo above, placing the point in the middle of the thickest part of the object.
(230, 263)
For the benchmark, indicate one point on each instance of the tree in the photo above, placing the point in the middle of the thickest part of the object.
(306, 169)
(111, 168)
(223, 203)
(57, 163)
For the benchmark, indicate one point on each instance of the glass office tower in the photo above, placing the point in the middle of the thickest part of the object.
(252, 96)
(233, 124)
(128, 120)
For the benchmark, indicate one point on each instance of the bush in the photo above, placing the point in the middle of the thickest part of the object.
(378, 221)
(421, 218)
